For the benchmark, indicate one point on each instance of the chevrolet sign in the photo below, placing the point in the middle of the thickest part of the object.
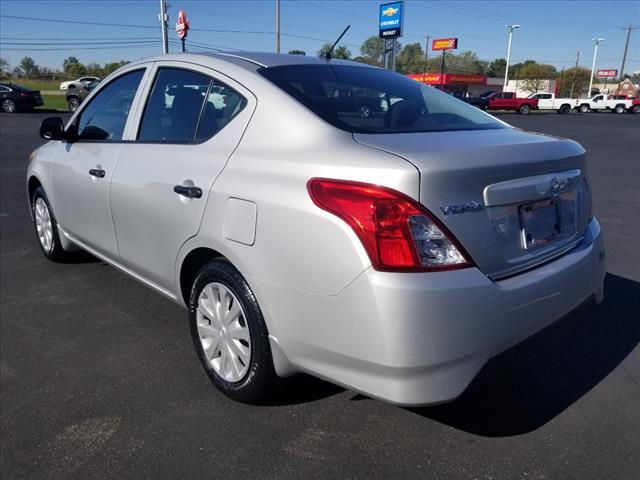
(390, 20)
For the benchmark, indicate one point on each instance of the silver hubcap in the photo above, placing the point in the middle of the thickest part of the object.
(9, 106)
(223, 332)
(43, 225)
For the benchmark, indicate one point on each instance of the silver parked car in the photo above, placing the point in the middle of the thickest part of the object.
(394, 253)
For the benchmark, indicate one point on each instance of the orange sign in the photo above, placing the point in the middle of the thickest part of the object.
(444, 44)
(449, 79)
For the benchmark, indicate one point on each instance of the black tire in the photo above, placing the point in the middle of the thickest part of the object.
(260, 380)
(9, 106)
(619, 109)
(635, 109)
(56, 252)
(524, 109)
(564, 109)
(73, 103)
(584, 108)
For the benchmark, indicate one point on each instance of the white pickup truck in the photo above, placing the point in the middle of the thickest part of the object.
(601, 101)
(548, 101)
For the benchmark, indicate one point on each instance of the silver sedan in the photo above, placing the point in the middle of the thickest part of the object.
(394, 252)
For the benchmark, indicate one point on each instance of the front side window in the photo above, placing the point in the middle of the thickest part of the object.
(106, 116)
(372, 100)
(186, 106)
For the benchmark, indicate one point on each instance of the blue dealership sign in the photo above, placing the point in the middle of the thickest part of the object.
(391, 15)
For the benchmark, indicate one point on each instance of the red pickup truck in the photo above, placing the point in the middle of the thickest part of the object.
(509, 101)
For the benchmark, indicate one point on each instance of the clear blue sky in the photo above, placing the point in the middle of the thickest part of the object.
(550, 32)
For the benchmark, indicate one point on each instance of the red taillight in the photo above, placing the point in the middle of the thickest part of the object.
(25, 94)
(395, 230)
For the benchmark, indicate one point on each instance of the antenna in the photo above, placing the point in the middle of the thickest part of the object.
(327, 55)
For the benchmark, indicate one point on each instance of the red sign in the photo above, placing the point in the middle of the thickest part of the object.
(449, 79)
(607, 73)
(444, 44)
(182, 25)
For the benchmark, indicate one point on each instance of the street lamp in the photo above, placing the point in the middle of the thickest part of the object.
(506, 70)
(593, 65)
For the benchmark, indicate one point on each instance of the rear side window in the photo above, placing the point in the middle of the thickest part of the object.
(106, 116)
(371, 100)
(186, 106)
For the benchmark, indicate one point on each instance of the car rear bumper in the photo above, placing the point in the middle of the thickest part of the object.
(422, 338)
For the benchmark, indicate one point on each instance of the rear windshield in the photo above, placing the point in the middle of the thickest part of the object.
(372, 100)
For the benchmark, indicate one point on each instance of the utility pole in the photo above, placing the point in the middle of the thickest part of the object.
(593, 65)
(575, 72)
(626, 48)
(164, 19)
(277, 26)
(426, 53)
(506, 70)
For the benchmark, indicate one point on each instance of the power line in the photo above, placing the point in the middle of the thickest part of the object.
(77, 22)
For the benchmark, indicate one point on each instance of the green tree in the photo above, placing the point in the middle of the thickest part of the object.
(93, 69)
(73, 68)
(411, 59)
(297, 52)
(466, 62)
(372, 50)
(497, 68)
(4, 68)
(29, 67)
(565, 80)
(533, 76)
(341, 52)
(111, 67)
(68, 63)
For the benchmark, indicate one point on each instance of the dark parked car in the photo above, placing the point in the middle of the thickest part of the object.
(76, 96)
(481, 101)
(16, 97)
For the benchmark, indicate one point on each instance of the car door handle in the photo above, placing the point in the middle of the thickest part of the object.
(94, 172)
(191, 192)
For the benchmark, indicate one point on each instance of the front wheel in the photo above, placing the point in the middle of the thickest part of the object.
(46, 227)
(364, 111)
(230, 335)
(73, 103)
(583, 108)
(635, 109)
(8, 105)
(524, 109)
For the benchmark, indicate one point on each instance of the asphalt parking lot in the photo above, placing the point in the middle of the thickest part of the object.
(98, 378)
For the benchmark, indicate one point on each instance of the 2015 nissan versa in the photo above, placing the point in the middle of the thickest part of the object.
(323, 217)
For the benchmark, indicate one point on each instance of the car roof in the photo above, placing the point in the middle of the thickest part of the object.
(15, 86)
(250, 60)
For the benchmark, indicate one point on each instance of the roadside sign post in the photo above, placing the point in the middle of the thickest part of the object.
(444, 44)
(182, 27)
(390, 21)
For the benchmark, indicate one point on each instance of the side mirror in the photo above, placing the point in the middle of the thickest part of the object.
(52, 128)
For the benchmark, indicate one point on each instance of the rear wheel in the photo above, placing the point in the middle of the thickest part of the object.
(8, 105)
(564, 109)
(583, 108)
(619, 109)
(230, 335)
(524, 109)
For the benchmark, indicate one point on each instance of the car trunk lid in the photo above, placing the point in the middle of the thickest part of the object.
(513, 199)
